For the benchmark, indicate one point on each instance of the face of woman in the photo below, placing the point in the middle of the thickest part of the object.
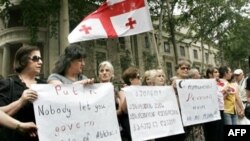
(136, 81)
(77, 65)
(183, 71)
(105, 74)
(148, 80)
(216, 73)
(35, 62)
(159, 79)
(229, 74)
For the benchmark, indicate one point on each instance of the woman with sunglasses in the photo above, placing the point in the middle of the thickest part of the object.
(193, 132)
(69, 66)
(15, 93)
(131, 76)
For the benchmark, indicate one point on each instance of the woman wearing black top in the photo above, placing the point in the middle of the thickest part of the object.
(15, 93)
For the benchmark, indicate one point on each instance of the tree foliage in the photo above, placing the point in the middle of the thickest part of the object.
(213, 22)
(219, 22)
(78, 9)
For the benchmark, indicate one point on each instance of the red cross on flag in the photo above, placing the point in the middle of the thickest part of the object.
(114, 18)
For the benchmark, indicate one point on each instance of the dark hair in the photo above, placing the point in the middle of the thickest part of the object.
(210, 71)
(22, 57)
(129, 73)
(72, 52)
(223, 70)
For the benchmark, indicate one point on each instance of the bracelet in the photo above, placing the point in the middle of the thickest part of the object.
(17, 126)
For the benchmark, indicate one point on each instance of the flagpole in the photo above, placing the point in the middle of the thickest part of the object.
(156, 50)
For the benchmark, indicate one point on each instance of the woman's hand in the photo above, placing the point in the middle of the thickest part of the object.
(27, 127)
(85, 81)
(28, 96)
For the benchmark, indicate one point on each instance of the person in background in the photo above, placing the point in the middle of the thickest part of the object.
(24, 127)
(158, 77)
(241, 81)
(193, 132)
(194, 73)
(214, 130)
(69, 66)
(18, 103)
(247, 108)
(146, 79)
(232, 100)
(106, 74)
(131, 76)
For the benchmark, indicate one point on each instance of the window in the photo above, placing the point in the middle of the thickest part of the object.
(166, 47)
(169, 70)
(206, 57)
(122, 43)
(195, 54)
(125, 62)
(182, 51)
(100, 56)
(101, 42)
(147, 45)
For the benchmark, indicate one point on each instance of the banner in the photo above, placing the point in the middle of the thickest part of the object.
(153, 112)
(76, 113)
(198, 100)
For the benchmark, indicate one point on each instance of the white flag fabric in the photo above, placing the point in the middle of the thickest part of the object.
(115, 18)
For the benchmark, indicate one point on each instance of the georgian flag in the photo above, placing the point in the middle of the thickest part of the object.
(115, 18)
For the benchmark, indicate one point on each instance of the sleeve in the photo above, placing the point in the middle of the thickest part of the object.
(54, 76)
(248, 84)
(5, 96)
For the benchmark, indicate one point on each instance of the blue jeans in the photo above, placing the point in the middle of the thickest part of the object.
(230, 119)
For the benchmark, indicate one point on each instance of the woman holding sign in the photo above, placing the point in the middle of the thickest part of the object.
(131, 76)
(193, 132)
(15, 93)
(69, 66)
(106, 74)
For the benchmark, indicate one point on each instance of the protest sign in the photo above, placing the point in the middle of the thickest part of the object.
(198, 100)
(76, 113)
(153, 112)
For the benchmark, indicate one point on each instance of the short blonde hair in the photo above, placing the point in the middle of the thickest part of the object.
(109, 65)
(147, 74)
(156, 73)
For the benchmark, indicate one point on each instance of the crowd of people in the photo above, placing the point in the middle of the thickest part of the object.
(16, 95)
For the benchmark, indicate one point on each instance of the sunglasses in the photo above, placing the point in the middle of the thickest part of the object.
(184, 68)
(35, 58)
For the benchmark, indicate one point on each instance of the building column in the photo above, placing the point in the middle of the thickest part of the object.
(64, 25)
(6, 61)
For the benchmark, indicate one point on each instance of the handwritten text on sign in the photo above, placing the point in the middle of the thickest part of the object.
(198, 100)
(76, 113)
(153, 112)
